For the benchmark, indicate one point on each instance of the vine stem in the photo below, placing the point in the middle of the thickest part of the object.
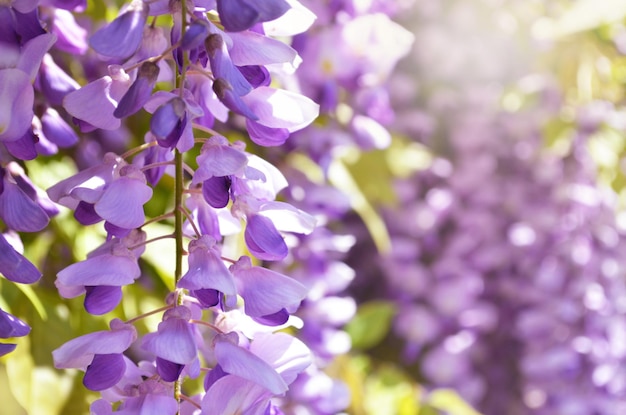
(178, 194)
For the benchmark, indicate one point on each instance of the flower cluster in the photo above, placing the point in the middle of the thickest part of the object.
(193, 69)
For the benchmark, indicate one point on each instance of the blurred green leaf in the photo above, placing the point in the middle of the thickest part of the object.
(371, 323)
(449, 401)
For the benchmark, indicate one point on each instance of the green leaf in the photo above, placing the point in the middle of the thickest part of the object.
(449, 401)
(371, 324)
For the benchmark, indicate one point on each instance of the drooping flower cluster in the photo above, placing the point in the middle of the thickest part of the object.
(220, 62)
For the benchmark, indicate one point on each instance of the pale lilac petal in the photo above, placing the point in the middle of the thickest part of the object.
(217, 159)
(122, 202)
(78, 353)
(296, 20)
(287, 218)
(106, 269)
(250, 48)
(278, 108)
(241, 362)
(369, 134)
(265, 291)
(286, 354)
(16, 104)
(104, 371)
(233, 395)
(95, 103)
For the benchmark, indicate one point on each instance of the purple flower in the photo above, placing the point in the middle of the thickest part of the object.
(101, 275)
(171, 122)
(122, 37)
(207, 270)
(174, 343)
(99, 354)
(265, 292)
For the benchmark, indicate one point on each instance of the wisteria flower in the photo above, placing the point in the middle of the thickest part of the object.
(99, 354)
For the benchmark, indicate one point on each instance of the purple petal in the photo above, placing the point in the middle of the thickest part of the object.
(11, 326)
(239, 15)
(264, 291)
(257, 75)
(286, 354)
(195, 34)
(122, 37)
(206, 268)
(95, 102)
(104, 371)
(14, 266)
(122, 202)
(33, 52)
(139, 92)
(102, 298)
(174, 341)
(207, 297)
(6, 348)
(23, 148)
(214, 374)
(16, 104)
(266, 136)
(276, 319)
(233, 395)
(57, 130)
(167, 117)
(19, 211)
(243, 363)
(278, 108)
(263, 240)
(78, 353)
(222, 66)
(219, 159)
(251, 48)
(85, 214)
(169, 371)
(71, 37)
(231, 100)
(216, 191)
(106, 269)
